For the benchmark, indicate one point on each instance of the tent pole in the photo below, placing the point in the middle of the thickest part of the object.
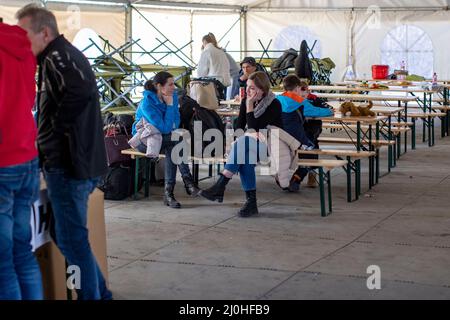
(243, 20)
(128, 27)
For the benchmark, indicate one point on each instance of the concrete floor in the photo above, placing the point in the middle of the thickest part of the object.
(205, 251)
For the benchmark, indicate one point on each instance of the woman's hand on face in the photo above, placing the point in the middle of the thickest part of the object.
(168, 99)
(252, 98)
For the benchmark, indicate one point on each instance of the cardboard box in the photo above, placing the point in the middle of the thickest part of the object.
(52, 262)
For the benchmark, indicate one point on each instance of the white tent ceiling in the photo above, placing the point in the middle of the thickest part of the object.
(280, 4)
(298, 4)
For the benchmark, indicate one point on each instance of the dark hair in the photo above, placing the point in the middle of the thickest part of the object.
(249, 60)
(261, 80)
(40, 18)
(160, 78)
(292, 81)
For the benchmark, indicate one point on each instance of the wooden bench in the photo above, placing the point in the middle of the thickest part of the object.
(428, 123)
(324, 169)
(353, 159)
(137, 156)
(375, 143)
(337, 126)
(393, 153)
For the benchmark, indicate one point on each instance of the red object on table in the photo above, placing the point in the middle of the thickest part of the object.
(380, 72)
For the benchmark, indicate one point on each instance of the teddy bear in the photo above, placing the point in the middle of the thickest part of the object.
(365, 111)
(357, 111)
(349, 107)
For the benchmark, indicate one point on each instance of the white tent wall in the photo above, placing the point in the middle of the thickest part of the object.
(180, 27)
(330, 28)
(107, 21)
(218, 24)
(368, 39)
(174, 24)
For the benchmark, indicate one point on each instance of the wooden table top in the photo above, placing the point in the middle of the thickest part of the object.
(365, 97)
(412, 89)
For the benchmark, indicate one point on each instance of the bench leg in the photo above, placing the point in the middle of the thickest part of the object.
(148, 165)
(358, 179)
(349, 180)
(390, 165)
(330, 200)
(210, 170)
(377, 166)
(413, 134)
(406, 140)
(195, 169)
(443, 125)
(432, 130)
(136, 179)
(430, 142)
(322, 193)
(423, 131)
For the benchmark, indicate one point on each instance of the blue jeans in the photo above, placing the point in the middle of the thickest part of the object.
(244, 155)
(20, 276)
(233, 90)
(69, 198)
(170, 169)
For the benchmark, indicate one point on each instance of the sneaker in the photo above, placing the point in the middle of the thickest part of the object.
(312, 182)
(308, 148)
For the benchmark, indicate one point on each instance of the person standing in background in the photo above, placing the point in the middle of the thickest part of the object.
(70, 141)
(213, 61)
(233, 90)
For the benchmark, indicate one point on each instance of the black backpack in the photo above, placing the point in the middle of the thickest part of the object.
(187, 106)
(116, 184)
(210, 120)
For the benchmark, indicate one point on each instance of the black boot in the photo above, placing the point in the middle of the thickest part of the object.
(169, 198)
(216, 192)
(189, 185)
(250, 208)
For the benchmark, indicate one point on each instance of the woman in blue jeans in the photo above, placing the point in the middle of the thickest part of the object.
(258, 111)
(160, 108)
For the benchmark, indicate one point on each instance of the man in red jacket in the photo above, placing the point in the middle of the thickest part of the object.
(20, 276)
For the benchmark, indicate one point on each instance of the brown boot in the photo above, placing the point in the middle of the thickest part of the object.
(312, 181)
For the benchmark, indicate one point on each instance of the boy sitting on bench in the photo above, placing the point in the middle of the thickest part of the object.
(297, 104)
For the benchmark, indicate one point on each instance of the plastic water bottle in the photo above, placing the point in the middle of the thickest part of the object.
(229, 132)
(435, 79)
(434, 85)
(403, 65)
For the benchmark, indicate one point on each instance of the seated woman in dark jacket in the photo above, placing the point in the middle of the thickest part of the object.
(259, 110)
(160, 108)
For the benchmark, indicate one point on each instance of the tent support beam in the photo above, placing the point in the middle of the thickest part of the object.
(243, 20)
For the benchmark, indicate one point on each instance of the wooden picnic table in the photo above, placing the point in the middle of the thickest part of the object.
(365, 97)
(364, 137)
(413, 89)
(382, 110)
(228, 112)
(230, 103)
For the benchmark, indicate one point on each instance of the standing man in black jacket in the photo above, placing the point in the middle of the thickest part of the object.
(70, 141)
